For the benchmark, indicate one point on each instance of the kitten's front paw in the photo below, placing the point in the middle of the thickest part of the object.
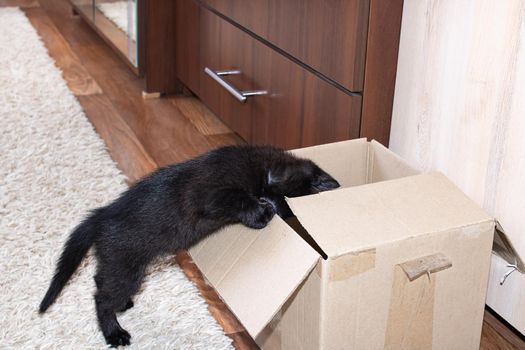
(281, 207)
(260, 215)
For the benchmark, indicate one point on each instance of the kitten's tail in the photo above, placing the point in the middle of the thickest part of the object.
(76, 247)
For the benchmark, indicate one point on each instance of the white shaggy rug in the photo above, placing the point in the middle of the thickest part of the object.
(53, 168)
(121, 13)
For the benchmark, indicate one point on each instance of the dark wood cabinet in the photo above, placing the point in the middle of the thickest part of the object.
(299, 108)
(186, 43)
(328, 67)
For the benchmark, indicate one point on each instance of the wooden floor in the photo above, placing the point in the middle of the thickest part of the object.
(142, 135)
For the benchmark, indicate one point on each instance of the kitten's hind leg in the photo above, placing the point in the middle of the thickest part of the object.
(114, 292)
(128, 306)
(114, 334)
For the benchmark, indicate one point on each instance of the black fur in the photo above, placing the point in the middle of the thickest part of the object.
(174, 208)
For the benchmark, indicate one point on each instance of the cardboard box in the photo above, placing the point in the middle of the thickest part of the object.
(406, 267)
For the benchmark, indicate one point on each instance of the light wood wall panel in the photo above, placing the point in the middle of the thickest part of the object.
(459, 107)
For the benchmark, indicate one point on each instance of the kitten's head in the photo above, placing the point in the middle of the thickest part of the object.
(296, 177)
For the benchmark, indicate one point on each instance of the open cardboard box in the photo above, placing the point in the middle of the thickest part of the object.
(405, 266)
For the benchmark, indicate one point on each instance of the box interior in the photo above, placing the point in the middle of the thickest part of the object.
(352, 163)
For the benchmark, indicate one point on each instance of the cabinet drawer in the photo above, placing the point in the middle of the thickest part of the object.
(299, 108)
(327, 35)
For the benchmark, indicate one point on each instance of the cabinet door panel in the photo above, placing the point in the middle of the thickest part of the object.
(277, 116)
(329, 114)
(299, 109)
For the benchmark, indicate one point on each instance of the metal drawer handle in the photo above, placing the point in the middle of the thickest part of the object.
(240, 95)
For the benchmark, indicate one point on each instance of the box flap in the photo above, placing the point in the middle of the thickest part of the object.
(503, 247)
(255, 271)
(347, 161)
(357, 218)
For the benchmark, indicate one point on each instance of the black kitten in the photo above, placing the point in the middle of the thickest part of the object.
(174, 208)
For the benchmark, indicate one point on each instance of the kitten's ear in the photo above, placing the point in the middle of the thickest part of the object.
(325, 182)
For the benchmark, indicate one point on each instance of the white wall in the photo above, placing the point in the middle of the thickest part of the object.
(459, 107)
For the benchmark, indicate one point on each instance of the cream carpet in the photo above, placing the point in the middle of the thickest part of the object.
(121, 13)
(53, 168)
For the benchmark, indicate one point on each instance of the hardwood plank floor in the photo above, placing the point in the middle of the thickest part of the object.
(19, 3)
(200, 116)
(496, 335)
(124, 147)
(144, 134)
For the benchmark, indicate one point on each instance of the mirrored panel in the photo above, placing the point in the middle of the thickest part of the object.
(117, 20)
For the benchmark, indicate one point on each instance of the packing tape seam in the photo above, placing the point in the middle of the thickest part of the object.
(360, 262)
